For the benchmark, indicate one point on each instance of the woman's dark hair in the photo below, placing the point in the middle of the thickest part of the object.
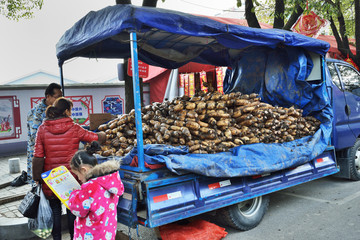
(85, 156)
(59, 107)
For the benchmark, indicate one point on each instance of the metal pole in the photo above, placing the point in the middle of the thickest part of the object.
(62, 80)
(137, 100)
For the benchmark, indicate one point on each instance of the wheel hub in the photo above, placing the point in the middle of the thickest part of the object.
(357, 160)
(249, 207)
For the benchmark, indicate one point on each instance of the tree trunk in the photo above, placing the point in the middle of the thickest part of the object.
(123, 1)
(294, 17)
(250, 14)
(337, 36)
(357, 33)
(279, 14)
(340, 36)
(342, 30)
(149, 3)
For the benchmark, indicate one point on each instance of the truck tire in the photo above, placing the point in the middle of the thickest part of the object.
(247, 214)
(353, 155)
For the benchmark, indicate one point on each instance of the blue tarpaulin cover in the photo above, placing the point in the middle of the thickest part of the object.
(168, 38)
(284, 87)
(270, 62)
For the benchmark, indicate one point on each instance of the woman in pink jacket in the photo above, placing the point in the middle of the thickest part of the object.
(95, 204)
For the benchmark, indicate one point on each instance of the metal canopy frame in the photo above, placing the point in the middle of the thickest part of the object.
(137, 102)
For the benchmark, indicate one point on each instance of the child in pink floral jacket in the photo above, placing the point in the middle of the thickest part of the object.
(95, 204)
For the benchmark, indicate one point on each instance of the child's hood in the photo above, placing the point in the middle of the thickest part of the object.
(106, 175)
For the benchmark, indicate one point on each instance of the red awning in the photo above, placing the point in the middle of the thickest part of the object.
(333, 44)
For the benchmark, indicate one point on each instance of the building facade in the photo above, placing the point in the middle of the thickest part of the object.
(18, 97)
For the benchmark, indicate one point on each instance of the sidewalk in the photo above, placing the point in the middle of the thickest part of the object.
(13, 225)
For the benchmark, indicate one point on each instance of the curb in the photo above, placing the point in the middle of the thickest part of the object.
(17, 228)
(4, 185)
(8, 199)
(12, 198)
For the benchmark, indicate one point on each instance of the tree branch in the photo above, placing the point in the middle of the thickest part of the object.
(330, 2)
(123, 1)
(250, 14)
(342, 30)
(149, 3)
(340, 44)
(298, 10)
(279, 14)
(357, 32)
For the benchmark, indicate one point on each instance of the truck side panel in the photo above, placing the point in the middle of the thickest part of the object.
(188, 197)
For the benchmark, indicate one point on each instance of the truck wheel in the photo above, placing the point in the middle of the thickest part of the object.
(354, 161)
(247, 214)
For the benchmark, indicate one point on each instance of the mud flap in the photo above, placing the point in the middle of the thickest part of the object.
(126, 209)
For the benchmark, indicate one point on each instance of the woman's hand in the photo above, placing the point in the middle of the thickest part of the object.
(101, 137)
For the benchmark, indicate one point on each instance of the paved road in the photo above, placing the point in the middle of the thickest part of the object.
(327, 208)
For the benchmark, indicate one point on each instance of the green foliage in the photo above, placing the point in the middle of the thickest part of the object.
(325, 9)
(238, 3)
(17, 9)
(345, 8)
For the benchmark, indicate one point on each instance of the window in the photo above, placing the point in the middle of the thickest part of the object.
(350, 78)
(334, 75)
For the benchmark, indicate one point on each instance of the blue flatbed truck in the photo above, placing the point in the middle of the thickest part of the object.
(171, 39)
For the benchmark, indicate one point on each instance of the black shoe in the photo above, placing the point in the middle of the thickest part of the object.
(20, 180)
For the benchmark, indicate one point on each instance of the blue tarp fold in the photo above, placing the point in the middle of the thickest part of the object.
(246, 160)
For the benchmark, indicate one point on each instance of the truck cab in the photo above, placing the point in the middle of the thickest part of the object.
(345, 85)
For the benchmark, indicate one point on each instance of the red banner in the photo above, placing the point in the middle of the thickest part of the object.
(191, 84)
(349, 60)
(186, 84)
(220, 79)
(203, 81)
(143, 69)
(182, 81)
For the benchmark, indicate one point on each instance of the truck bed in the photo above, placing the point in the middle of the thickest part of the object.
(159, 197)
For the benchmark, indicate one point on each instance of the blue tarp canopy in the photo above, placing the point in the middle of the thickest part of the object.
(168, 38)
(273, 63)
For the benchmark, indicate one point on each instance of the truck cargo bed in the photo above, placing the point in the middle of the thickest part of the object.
(158, 197)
